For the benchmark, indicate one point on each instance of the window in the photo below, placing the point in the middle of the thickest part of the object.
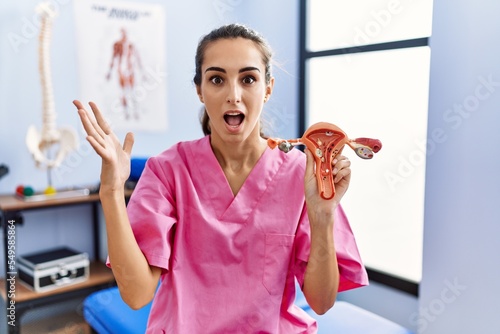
(366, 69)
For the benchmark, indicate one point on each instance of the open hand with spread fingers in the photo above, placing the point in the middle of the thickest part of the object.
(115, 168)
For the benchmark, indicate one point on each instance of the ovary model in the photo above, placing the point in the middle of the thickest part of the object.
(325, 141)
(65, 139)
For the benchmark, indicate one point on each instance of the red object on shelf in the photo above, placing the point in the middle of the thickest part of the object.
(20, 190)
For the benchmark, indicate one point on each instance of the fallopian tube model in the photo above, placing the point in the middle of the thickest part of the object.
(325, 141)
(40, 144)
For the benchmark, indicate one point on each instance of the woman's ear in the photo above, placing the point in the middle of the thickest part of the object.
(269, 89)
(198, 91)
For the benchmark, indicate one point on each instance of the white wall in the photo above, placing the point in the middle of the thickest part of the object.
(460, 288)
(278, 22)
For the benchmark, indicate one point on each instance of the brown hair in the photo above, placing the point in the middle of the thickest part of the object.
(227, 32)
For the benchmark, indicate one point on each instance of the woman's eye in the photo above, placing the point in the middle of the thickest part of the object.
(248, 80)
(216, 80)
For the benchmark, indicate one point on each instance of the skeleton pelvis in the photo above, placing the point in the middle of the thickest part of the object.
(50, 151)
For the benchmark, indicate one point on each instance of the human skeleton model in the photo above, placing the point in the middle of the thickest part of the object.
(325, 141)
(42, 145)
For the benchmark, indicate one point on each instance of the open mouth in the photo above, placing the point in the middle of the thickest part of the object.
(234, 119)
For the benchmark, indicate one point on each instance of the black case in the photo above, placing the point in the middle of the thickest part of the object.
(51, 269)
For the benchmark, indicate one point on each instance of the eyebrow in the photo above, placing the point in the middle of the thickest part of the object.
(220, 69)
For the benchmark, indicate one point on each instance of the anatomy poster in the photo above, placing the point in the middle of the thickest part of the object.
(121, 58)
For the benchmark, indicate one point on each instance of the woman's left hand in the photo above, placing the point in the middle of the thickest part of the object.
(341, 178)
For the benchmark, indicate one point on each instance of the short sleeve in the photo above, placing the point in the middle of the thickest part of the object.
(352, 271)
(153, 215)
(302, 247)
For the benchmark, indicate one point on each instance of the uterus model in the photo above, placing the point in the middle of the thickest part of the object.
(50, 146)
(326, 141)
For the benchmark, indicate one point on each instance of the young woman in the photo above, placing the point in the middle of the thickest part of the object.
(224, 223)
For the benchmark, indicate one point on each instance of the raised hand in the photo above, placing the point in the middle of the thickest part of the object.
(115, 168)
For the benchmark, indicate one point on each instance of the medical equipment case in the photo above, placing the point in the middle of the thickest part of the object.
(52, 269)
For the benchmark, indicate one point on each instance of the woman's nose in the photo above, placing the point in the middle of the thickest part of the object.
(234, 94)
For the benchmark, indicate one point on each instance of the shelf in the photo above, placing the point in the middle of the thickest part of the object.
(99, 274)
(14, 203)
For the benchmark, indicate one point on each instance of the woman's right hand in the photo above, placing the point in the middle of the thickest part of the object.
(115, 168)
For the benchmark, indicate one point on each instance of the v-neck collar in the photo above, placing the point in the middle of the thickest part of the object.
(215, 187)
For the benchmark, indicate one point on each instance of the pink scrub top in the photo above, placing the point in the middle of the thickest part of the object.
(230, 262)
